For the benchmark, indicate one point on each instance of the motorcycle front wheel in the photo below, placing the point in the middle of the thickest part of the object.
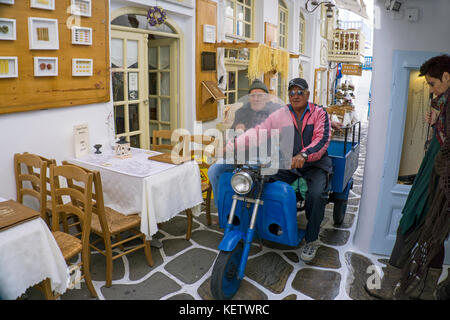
(224, 279)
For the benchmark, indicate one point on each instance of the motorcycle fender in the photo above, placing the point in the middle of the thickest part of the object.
(230, 240)
(344, 194)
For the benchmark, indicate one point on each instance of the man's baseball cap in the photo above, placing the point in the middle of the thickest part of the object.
(299, 82)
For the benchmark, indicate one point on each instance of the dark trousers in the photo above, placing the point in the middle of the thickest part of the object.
(316, 197)
(398, 255)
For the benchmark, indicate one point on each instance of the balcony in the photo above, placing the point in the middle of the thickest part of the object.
(367, 63)
(347, 46)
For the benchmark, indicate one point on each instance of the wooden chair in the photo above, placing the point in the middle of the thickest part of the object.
(80, 206)
(108, 223)
(32, 182)
(157, 145)
(204, 141)
(32, 162)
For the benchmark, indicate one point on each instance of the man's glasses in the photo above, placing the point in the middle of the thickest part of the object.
(294, 92)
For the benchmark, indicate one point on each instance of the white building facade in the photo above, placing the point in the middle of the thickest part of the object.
(153, 80)
(395, 145)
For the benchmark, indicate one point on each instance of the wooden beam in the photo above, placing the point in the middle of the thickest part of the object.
(236, 45)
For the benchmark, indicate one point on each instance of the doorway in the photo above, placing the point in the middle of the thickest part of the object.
(144, 67)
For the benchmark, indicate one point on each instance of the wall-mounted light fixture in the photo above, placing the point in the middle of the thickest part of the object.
(329, 4)
(393, 5)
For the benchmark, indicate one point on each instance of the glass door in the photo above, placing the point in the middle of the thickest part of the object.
(128, 69)
(162, 85)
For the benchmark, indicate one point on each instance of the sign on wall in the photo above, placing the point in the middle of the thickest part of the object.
(352, 69)
(54, 55)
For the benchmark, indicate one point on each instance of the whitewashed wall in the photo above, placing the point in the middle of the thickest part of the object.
(430, 33)
(48, 133)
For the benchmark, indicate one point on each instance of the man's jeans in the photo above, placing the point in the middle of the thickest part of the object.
(214, 173)
(316, 196)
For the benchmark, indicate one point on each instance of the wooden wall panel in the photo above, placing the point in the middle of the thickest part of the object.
(28, 92)
(206, 13)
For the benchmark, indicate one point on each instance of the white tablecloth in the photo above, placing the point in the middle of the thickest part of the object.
(28, 255)
(157, 191)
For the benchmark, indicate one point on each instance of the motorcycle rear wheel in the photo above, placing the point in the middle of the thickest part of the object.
(224, 279)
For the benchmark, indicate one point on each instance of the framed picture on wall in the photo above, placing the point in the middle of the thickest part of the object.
(43, 33)
(82, 67)
(8, 67)
(7, 29)
(7, 1)
(45, 66)
(43, 4)
(82, 36)
(81, 8)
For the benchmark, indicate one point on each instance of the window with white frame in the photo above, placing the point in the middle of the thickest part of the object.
(282, 24)
(302, 34)
(238, 18)
(236, 64)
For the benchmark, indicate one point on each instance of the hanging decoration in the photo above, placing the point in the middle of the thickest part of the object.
(267, 59)
(156, 16)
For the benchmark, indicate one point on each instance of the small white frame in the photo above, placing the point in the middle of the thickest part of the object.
(52, 43)
(6, 1)
(81, 8)
(40, 5)
(12, 66)
(11, 33)
(82, 67)
(41, 68)
(82, 36)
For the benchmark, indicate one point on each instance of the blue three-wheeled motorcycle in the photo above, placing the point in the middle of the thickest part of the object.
(251, 204)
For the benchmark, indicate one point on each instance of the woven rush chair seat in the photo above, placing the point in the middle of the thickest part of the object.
(107, 223)
(68, 244)
(116, 221)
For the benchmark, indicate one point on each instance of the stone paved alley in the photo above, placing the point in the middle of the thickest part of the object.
(182, 269)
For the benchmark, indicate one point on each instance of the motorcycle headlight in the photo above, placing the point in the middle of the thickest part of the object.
(242, 182)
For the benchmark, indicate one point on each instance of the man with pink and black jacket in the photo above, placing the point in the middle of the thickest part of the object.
(310, 159)
(309, 156)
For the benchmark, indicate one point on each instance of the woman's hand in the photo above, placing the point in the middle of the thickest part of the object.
(430, 117)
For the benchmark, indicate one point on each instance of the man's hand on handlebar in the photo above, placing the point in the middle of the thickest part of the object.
(297, 162)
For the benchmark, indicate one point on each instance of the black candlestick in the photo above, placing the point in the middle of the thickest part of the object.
(97, 148)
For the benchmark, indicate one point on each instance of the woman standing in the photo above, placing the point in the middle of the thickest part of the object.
(418, 254)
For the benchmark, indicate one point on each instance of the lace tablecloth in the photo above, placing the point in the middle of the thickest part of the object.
(157, 191)
(28, 255)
